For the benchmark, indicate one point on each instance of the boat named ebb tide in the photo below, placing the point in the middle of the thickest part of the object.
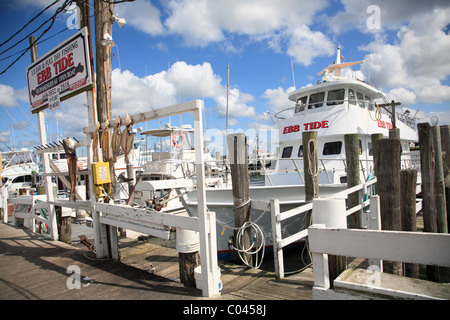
(333, 107)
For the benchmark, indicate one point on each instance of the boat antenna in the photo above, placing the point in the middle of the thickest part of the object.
(293, 75)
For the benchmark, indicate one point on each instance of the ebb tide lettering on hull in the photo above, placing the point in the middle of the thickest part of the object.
(306, 126)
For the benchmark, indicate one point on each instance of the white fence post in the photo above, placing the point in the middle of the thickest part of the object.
(276, 236)
(327, 213)
(4, 195)
(374, 223)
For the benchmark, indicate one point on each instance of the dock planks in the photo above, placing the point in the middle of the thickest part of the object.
(35, 268)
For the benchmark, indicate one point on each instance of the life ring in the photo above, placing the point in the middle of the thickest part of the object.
(175, 140)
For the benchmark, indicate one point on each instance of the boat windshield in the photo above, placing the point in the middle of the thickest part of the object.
(335, 97)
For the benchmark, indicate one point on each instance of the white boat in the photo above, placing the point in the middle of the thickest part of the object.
(19, 169)
(333, 107)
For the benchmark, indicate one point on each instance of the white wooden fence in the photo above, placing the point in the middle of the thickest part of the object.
(370, 219)
(409, 247)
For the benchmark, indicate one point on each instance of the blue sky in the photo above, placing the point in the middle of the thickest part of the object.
(173, 51)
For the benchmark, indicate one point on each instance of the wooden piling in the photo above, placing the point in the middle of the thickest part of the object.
(408, 183)
(445, 145)
(387, 169)
(240, 181)
(427, 168)
(187, 263)
(441, 210)
(353, 176)
(64, 226)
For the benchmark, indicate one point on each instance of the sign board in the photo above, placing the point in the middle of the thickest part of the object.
(62, 72)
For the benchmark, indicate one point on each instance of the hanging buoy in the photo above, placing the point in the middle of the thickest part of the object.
(178, 140)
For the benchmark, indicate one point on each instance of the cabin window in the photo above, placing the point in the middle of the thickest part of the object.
(300, 152)
(351, 97)
(301, 103)
(369, 146)
(316, 100)
(360, 99)
(368, 102)
(335, 97)
(287, 152)
(360, 147)
(331, 148)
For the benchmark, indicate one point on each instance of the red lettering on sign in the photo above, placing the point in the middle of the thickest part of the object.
(63, 63)
(325, 124)
(44, 75)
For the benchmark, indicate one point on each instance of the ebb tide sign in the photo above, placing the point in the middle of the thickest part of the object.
(61, 73)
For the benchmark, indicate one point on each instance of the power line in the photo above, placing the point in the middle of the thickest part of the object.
(7, 40)
(52, 19)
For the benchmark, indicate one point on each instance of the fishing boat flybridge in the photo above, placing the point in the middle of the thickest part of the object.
(334, 107)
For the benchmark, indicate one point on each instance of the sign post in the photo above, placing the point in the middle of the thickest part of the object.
(62, 73)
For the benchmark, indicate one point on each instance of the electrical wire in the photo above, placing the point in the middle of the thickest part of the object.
(52, 19)
(7, 40)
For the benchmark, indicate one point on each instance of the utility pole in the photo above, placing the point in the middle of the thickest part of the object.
(103, 26)
(103, 46)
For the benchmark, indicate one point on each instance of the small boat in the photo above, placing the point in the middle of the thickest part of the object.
(19, 169)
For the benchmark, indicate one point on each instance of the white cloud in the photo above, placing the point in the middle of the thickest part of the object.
(7, 98)
(142, 15)
(305, 45)
(182, 81)
(278, 98)
(407, 97)
(277, 23)
(417, 61)
(393, 14)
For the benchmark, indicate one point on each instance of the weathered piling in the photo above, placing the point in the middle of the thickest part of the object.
(445, 144)
(427, 168)
(353, 176)
(441, 210)
(408, 183)
(237, 148)
(387, 170)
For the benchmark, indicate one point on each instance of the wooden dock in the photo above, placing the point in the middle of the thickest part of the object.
(33, 267)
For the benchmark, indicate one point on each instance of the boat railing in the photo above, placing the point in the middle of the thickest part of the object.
(328, 166)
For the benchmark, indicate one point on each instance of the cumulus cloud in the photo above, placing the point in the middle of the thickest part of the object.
(416, 64)
(142, 15)
(182, 81)
(7, 98)
(305, 45)
(278, 98)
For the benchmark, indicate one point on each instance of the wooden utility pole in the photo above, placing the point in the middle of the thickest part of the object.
(103, 26)
(353, 176)
(103, 45)
(387, 169)
(427, 168)
(237, 147)
(408, 184)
